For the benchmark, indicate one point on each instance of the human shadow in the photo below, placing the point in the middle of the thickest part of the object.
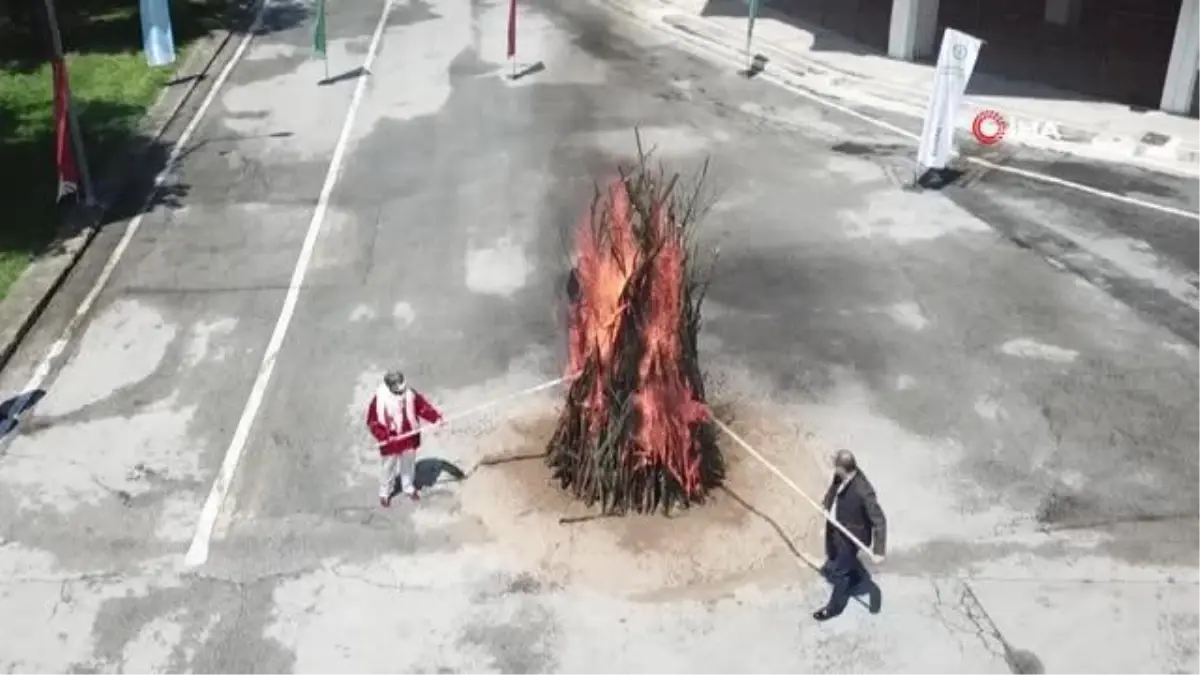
(12, 409)
(428, 471)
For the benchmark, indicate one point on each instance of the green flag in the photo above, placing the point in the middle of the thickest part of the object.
(750, 25)
(319, 32)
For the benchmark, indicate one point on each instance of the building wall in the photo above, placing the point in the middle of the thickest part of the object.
(1118, 51)
(864, 20)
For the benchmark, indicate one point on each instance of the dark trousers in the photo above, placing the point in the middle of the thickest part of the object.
(845, 572)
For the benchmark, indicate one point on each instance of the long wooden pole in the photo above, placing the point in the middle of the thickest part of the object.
(481, 407)
(795, 488)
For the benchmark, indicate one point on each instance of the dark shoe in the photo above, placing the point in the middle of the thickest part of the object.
(823, 615)
(385, 502)
(415, 496)
(874, 599)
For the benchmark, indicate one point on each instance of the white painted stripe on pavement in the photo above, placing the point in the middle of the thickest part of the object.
(44, 367)
(197, 553)
(737, 58)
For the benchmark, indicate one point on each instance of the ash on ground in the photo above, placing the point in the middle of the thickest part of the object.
(754, 531)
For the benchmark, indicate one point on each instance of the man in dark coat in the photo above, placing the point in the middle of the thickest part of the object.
(851, 501)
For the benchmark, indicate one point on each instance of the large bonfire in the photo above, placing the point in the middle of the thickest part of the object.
(635, 433)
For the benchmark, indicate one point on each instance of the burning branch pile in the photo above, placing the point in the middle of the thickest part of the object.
(635, 432)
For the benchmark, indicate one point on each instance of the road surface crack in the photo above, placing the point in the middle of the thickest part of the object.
(965, 615)
(949, 617)
(123, 496)
(336, 571)
(88, 577)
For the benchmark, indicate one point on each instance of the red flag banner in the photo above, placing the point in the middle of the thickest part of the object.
(64, 157)
(512, 28)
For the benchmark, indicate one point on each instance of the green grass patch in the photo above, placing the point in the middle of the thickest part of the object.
(112, 88)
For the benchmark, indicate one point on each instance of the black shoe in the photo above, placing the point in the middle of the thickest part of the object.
(823, 615)
(875, 599)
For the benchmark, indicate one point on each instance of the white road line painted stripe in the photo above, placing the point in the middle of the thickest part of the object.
(44, 367)
(197, 553)
(736, 58)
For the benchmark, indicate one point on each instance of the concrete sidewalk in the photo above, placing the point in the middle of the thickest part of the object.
(859, 76)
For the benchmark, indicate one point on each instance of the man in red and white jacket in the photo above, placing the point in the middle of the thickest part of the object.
(394, 412)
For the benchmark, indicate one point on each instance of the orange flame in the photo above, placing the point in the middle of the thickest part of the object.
(612, 263)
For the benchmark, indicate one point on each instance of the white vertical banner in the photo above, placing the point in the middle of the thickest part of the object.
(955, 63)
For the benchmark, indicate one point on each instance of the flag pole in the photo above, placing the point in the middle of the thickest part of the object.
(320, 48)
(512, 37)
(76, 134)
(752, 15)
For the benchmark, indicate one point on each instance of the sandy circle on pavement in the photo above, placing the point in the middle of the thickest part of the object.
(756, 530)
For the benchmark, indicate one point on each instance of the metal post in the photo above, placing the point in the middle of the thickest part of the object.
(1180, 84)
(76, 134)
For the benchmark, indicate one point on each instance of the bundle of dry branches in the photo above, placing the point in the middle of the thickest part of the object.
(635, 433)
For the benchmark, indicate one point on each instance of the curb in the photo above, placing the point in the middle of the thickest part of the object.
(1151, 150)
(32, 292)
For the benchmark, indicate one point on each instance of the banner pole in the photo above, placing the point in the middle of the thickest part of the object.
(76, 134)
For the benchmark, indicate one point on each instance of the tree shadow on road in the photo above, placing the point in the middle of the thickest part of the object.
(114, 26)
(112, 92)
(282, 15)
(112, 88)
(100, 27)
(123, 163)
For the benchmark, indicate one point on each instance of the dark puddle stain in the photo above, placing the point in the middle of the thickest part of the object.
(519, 645)
(468, 64)
(857, 149)
(1023, 662)
(1123, 181)
(414, 12)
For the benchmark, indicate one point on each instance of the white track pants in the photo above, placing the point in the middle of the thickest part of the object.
(393, 466)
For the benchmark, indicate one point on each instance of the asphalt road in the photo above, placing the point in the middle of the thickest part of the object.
(1031, 430)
